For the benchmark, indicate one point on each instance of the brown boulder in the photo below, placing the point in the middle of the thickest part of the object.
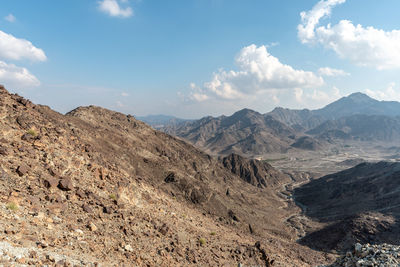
(3, 151)
(87, 208)
(51, 182)
(22, 169)
(66, 184)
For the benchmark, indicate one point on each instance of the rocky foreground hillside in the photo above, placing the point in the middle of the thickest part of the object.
(99, 188)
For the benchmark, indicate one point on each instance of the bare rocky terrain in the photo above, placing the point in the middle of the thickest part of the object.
(246, 132)
(360, 204)
(353, 127)
(95, 187)
(99, 188)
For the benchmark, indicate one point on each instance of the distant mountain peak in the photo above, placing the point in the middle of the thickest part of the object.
(360, 96)
(244, 112)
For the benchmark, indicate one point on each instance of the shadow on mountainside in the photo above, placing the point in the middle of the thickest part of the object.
(361, 204)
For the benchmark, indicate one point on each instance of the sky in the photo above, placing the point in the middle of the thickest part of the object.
(194, 58)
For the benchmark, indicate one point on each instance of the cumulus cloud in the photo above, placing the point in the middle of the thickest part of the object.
(258, 71)
(197, 94)
(16, 77)
(16, 49)
(315, 98)
(330, 72)
(388, 94)
(310, 19)
(363, 46)
(113, 8)
(10, 18)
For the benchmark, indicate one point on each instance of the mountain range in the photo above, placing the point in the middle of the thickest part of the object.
(98, 187)
(355, 117)
(160, 121)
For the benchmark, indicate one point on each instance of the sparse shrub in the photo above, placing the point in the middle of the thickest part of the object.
(12, 206)
(213, 233)
(113, 196)
(202, 241)
(32, 132)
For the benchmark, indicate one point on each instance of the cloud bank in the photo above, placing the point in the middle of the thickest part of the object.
(17, 49)
(12, 48)
(258, 71)
(363, 46)
(330, 72)
(14, 76)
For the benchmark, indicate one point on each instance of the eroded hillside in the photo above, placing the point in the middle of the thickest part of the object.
(99, 187)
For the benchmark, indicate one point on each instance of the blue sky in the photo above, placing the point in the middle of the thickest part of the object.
(192, 58)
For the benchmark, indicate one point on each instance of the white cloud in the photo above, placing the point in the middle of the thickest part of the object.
(16, 77)
(298, 93)
(317, 98)
(124, 94)
(388, 94)
(196, 94)
(16, 49)
(364, 46)
(258, 71)
(10, 18)
(310, 19)
(113, 8)
(330, 72)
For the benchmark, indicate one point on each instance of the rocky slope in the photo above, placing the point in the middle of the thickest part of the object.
(356, 117)
(255, 172)
(245, 132)
(160, 121)
(360, 127)
(96, 187)
(361, 204)
(300, 120)
(384, 255)
(356, 104)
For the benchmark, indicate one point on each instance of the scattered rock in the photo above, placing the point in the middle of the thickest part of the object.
(251, 229)
(3, 151)
(87, 208)
(54, 172)
(170, 178)
(66, 184)
(92, 227)
(107, 210)
(22, 169)
(128, 248)
(384, 255)
(233, 216)
(51, 182)
(164, 229)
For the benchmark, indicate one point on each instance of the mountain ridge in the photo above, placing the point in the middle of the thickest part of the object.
(252, 134)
